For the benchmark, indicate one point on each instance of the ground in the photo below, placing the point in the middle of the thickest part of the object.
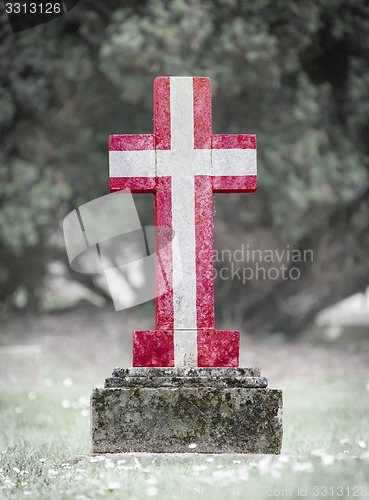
(326, 434)
(88, 342)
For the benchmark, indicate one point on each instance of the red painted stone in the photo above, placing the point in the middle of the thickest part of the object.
(218, 347)
(202, 113)
(221, 170)
(153, 348)
(233, 184)
(135, 184)
(131, 142)
(204, 252)
(215, 348)
(233, 141)
(163, 218)
(162, 126)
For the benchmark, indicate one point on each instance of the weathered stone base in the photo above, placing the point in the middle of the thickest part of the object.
(215, 416)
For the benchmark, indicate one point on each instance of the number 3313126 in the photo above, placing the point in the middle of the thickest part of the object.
(33, 8)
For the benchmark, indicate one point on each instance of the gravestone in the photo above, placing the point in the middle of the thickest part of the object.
(185, 391)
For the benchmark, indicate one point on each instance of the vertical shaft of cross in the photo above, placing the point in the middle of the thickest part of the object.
(182, 162)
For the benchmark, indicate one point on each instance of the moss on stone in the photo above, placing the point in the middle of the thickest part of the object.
(167, 420)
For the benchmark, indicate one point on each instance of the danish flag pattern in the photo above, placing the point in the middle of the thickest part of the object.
(183, 164)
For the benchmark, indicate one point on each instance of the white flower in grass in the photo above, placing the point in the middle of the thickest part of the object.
(361, 444)
(15, 469)
(121, 461)
(114, 485)
(264, 464)
(85, 413)
(275, 473)
(220, 474)
(318, 453)
(341, 456)
(277, 465)
(67, 382)
(26, 492)
(42, 460)
(152, 491)
(243, 474)
(65, 403)
(152, 480)
(18, 410)
(327, 460)
(52, 472)
(192, 446)
(84, 402)
(94, 459)
(210, 459)
(344, 440)
(303, 467)
(199, 467)
(109, 465)
(8, 483)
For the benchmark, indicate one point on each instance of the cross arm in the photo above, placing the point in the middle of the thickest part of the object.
(234, 163)
(132, 163)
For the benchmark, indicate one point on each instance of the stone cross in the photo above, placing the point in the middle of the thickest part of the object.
(183, 164)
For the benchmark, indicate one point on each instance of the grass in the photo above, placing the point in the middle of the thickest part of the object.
(325, 451)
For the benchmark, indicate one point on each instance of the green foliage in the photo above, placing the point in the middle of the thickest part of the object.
(294, 73)
(31, 198)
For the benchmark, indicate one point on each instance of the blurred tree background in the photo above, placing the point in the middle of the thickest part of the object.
(294, 73)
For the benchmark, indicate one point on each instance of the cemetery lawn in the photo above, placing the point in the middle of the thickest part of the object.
(326, 421)
(325, 451)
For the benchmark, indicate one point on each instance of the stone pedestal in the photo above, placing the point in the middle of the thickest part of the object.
(165, 410)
